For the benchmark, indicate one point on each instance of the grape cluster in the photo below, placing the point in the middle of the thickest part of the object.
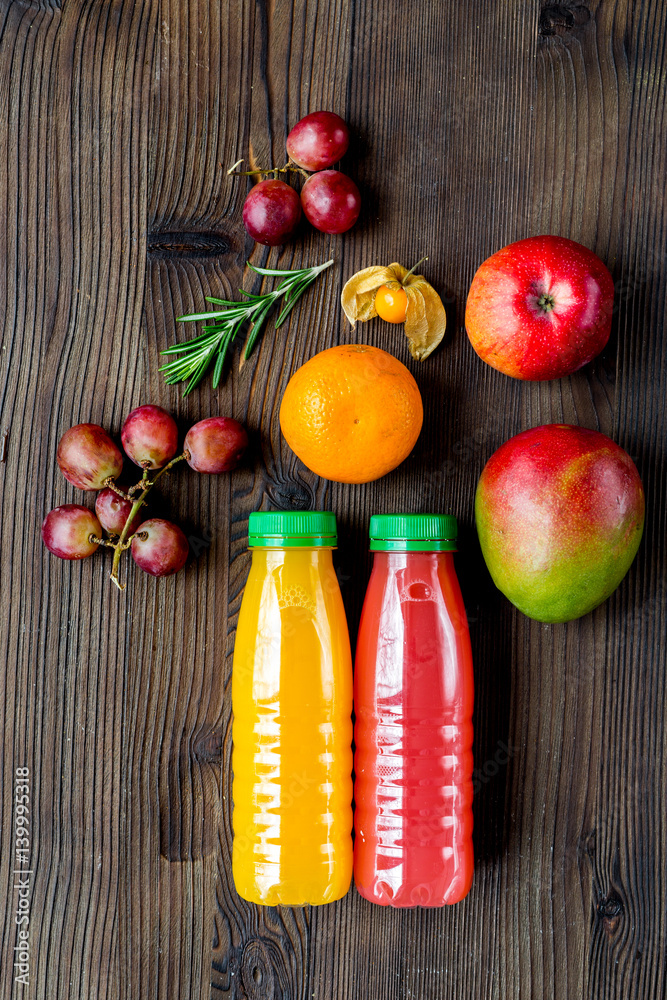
(91, 461)
(329, 199)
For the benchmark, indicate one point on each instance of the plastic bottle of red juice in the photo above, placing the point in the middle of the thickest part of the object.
(413, 698)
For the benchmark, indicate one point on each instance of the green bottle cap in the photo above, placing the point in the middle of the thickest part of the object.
(293, 528)
(413, 533)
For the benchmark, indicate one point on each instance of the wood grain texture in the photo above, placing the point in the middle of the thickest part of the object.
(73, 127)
(473, 125)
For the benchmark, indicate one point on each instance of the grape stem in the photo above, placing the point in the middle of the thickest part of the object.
(145, 485)
(111, 484)
(288, 168)
(94, 540)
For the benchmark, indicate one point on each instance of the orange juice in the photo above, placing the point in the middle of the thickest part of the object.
(292, 704)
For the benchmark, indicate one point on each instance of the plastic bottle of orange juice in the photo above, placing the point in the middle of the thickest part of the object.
(292, 704)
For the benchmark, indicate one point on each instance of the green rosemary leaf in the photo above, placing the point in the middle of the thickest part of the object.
(215, 327)
(222, 354)
(183, 365)
(292, 300)
(259, 323)
(254, 333)
(209, 336)
(180, 348)
(223, 326)
(274, 272)
(197, 375)
(198, 316)
(249, 345)
(222, 317)
(286, 310)
(173, 375)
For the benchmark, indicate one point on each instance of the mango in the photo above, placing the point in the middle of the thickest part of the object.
(560, 514)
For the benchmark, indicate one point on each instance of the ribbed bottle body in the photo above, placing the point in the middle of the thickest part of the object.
(413, 734)
(292, 732)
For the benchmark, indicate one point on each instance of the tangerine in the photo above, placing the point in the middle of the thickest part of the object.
(352, 413)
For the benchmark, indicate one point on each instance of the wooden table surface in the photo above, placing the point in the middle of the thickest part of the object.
(474, 124)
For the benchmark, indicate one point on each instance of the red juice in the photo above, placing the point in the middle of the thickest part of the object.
(413, 704)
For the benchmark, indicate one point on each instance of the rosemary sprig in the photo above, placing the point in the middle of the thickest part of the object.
(223, 325)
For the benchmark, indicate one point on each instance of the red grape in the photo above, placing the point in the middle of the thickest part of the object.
(150, 436)
(331, 201)
(215, 444)
(271, 212)
(113, 511)
(160, 547)
(318, 140)
(88, 457)
(66, 531)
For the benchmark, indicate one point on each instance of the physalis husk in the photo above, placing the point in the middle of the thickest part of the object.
(425, 318)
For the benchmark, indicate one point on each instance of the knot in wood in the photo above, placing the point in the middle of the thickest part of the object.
(166, 245)
(257, 972)
(208, 747)
(562, 19)
(610, 911)
(290, 496)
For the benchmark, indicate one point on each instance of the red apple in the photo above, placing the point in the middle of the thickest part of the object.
(560, 514)
(540, 308)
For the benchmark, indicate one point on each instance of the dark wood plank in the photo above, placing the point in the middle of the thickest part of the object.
(253, 952)
(73, 127)
(629, 842)
(474, 125)
(448, 160)
(177, 715)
